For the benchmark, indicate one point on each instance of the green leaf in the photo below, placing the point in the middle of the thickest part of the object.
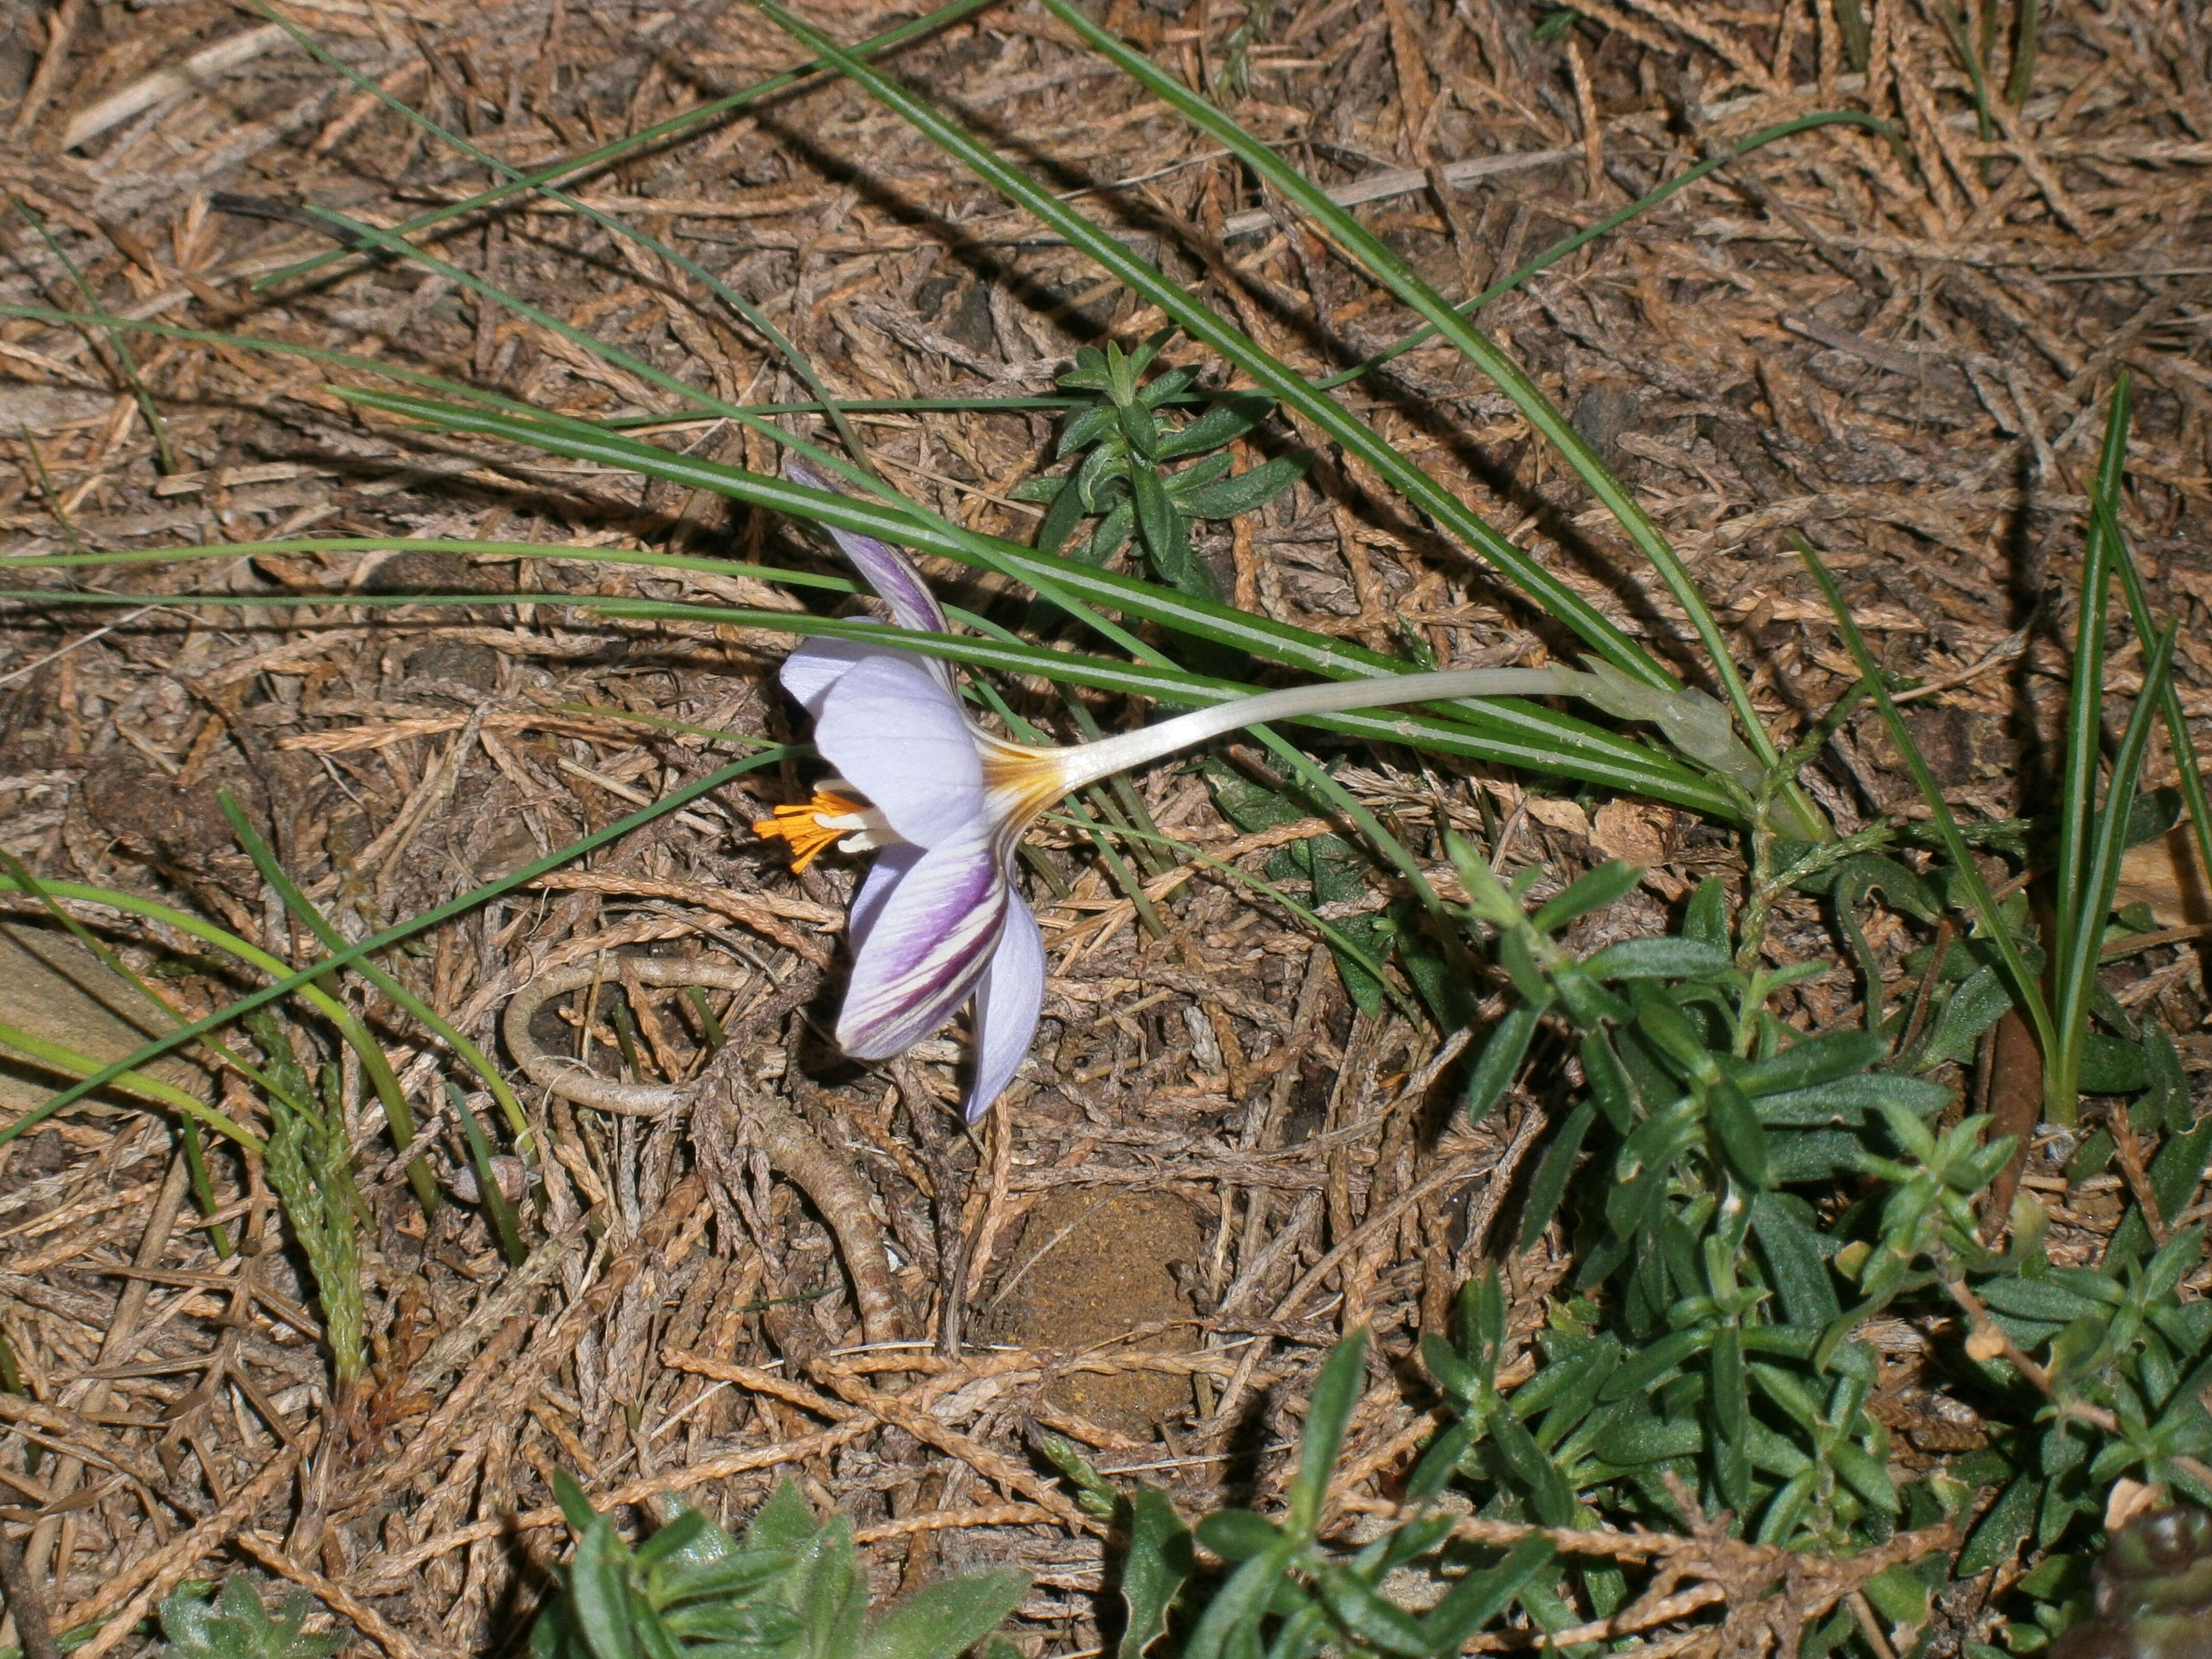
(1737, 1126)
(1329, 1415)
(1591, 891)
(1159, 1561)
(1795, 1260)
(1550, 1185)
(1705, 918)
(1366, 1615)
(1479, 1597)
(943, 1620)
(2002, 1530)
(1238, 1534)
(598, 1587)
(1852, 1100)
(2111, 1066)
(1811, 1061)
(1900, 1595)
(1608, 1081)
(785, 1522)
(1538, 1477)
(1870, 1478)
(1247, 492)
(1968, 1012)
(1500, 1063)
(1059, 518)
(1642, 1370)
(1238, 1606)
(1224, 421)
(1665, 956)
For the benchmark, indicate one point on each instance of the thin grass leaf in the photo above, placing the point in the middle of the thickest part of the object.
(2026, 44)
(607, 222)
(1548, 741)
(1389, 268)
(301, 979)
(2085, 701)
(2179, 743)
(1646, 772)
(2074, 969)
(165, 458)
(570, 168)
(315, 922)
(505, 1225)
(129, 1080)
(1041, 580)
(2027, 994)
(1612, 221)
(1204, 325)
(221, 1052)
(903, 522)
(355, 1036)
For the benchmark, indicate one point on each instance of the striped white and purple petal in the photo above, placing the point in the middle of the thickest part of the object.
(889, 572)
(930, 939)
(1008, 999)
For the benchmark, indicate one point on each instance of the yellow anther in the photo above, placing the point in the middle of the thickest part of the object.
(805, 828)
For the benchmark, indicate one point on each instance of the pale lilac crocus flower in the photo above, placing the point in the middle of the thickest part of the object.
(943, 804)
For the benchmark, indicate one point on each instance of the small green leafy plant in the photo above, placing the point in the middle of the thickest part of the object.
(235, 1623)
(792, 1589)
(1123, 478)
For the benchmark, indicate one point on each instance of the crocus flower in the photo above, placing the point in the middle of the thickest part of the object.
(943, 804)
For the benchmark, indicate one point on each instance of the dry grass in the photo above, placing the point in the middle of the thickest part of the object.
(1900, 349)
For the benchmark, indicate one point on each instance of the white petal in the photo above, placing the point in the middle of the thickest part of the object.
(901, 738)
(1008, 999)
(925, 946)
(810, 671)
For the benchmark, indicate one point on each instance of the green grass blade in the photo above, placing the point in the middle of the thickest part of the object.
(1519, 735)
(301, 979)
(607, 222)
(2073, 983)
(637, 366)
(1204, 325)
(313, 920)
(221, 1053)
(2178, 740)
(1386, 265)
(355, 1034)
(126, 1077)
(1612, 221)
(505, 1225)
(569, 168)
(2027, 994)
(128, 364)
(1540, 741)
(2085, 702)
(2027, 40)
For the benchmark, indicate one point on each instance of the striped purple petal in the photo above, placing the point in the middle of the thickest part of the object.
(1008, 999)
(900, 738)
(885, 569)
(927, 947)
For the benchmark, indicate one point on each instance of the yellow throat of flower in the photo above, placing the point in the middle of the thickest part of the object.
(811, 826)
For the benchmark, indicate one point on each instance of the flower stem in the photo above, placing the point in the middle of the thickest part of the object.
(1092, 760)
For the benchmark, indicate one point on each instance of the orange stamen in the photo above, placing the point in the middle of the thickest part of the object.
(802, 826)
